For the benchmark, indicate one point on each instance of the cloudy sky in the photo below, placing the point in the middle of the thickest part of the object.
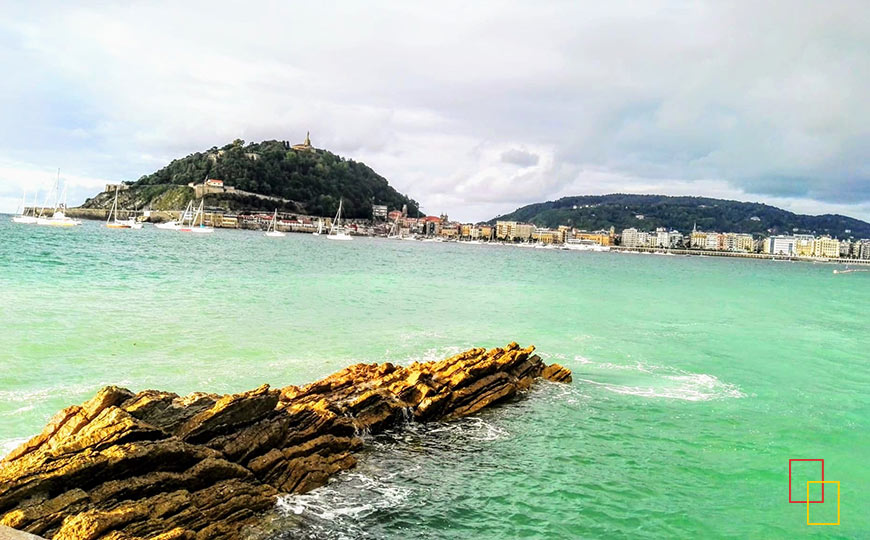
(472, 108)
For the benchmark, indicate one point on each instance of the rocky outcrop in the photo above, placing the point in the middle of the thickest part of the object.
(159, 466)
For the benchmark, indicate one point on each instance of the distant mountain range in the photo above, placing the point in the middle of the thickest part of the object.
(265, 175)
(646, 212)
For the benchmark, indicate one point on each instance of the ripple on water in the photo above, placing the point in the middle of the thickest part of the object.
(651, 381)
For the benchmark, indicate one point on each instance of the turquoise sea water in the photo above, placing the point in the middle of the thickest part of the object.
(695, 379)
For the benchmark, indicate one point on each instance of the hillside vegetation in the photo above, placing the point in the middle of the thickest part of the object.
(594, 212)
(311, 182)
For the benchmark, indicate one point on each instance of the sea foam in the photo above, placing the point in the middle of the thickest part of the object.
(663, 382)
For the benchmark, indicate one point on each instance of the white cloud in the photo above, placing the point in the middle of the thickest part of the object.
(755, 102)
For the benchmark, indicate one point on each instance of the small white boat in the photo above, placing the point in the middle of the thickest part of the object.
(22, 216)
(168, 225)
(319, 227)
(337, 232)
(58, 219)
(272, 230)
(193, 227)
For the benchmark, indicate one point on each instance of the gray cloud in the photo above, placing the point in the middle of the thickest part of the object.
(518, 157)
(469, 108)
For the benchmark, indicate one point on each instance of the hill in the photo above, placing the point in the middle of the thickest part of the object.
(594, 212)
(266, 175)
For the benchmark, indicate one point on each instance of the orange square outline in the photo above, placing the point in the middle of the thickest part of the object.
(838, 500)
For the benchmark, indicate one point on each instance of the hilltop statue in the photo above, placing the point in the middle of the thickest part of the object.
(305, 146)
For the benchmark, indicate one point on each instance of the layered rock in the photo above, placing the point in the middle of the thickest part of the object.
(159, 466)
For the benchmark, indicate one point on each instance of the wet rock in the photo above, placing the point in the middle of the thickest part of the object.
(155, 465)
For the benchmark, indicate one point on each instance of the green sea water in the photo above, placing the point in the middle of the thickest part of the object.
(695, 379)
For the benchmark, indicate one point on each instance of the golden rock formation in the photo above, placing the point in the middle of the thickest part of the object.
(155, 465)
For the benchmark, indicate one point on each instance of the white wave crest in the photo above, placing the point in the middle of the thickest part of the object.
(345, 501)
(471, 427)
(664, 382)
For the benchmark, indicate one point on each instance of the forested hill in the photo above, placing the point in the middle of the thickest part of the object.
(593, 212)
(314, 179)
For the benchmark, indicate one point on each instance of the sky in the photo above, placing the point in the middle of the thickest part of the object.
(471, 108)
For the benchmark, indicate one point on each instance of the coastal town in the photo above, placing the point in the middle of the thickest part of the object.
(398, 224)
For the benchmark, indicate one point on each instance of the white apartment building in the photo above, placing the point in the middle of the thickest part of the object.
(780, 245)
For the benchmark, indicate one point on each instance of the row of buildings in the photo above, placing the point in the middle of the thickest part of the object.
(798, 245)
(807, 245)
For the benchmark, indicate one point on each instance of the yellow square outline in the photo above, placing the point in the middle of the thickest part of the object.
(808, 499)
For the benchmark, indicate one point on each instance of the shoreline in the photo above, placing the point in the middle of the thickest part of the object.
(92, 215)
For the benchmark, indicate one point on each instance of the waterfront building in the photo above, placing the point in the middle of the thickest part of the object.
(524, 231)
(714, 242)
(804, 245)
(431, 225)
(450, 230)
(780, 245)
(863, 250)
(546, 236)
(826, 246)
(845, 249)
(514, 231)
(739, 242)
(486, 232)
(504, 229)
(661, 237)
(698, 239)
(602, 238)
(631, 238)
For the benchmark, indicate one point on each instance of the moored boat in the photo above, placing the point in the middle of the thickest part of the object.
(272, 230)
(22, 216)
(193, 227)
(337, 231)
(58, 217)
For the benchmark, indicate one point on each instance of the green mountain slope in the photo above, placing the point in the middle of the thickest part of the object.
(682, 213)
(309, 181)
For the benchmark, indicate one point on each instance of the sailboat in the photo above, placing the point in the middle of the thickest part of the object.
(175, 225)
(337, 232)
(22, 217)
(394, 231)
(272, 230)
(58, 218)
(192, 227)
(319, 227)
(112, 221)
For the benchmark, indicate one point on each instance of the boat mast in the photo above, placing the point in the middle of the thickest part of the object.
(57, 191)
(114, 209)
(336, 224)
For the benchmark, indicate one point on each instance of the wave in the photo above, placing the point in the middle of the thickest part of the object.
(470, 428)
(662, 382)
(338, 509)
(8, 445)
